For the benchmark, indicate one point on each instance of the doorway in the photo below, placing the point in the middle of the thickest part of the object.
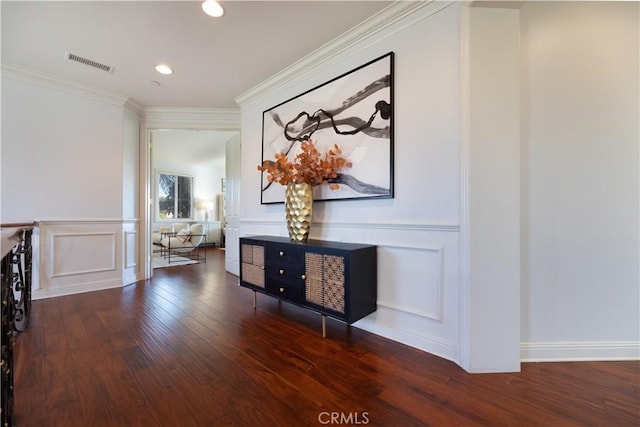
(196, 158)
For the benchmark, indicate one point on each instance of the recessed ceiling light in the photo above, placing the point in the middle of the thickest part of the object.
(212, 8)
(163, 69)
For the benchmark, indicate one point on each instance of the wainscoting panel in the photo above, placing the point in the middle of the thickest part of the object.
(130, 249)
(81, 255)
(418, 277)
(131, 270)
(422, 297)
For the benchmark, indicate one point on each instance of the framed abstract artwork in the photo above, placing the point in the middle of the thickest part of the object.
(354, 111)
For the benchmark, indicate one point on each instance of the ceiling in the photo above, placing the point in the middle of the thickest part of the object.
(214, 59)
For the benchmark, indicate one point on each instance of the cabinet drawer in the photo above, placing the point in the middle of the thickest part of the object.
(283, 254)
(286, 290)
(284, 272)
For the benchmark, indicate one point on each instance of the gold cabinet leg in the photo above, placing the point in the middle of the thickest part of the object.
(324, 326)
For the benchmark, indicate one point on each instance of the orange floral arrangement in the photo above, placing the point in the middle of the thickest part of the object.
(308, 166)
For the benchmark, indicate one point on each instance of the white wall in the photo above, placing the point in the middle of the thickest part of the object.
(131, 236)
(491, 262)
(50, 142)
(417, 232)
(580, 139)
(550, 192)
(131, 165)
(69, 160)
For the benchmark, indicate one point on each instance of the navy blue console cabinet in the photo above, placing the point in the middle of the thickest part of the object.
(335, 279)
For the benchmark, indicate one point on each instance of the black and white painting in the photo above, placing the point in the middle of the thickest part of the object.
(354, 111)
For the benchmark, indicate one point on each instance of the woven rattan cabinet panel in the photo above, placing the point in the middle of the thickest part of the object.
(253, 264)
(333, 278)
(325, 281)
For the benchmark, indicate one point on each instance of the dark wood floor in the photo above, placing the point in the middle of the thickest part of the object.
(187, 349)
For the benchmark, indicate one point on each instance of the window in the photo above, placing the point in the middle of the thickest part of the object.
(175, 196)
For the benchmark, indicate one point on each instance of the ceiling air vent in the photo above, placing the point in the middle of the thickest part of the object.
(71, 57)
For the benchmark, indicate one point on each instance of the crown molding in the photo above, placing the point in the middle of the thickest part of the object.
(192, 118)
(133, 108)
(369, 32)
(59, 84)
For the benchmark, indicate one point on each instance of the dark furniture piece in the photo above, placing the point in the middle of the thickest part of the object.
(335, 279)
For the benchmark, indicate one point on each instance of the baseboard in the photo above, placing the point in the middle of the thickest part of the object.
(76, 289)
(579, 351)
(429, 344)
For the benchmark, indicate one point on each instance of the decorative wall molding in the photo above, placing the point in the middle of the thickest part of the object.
(446, 226)
(133, 109)
(579, 351)
(78, 221)
(192, 118)
(417, 324)
(57, 240)
(59, 84)
(438, 281)
(77, 255)
(130, 249)
(378, 27)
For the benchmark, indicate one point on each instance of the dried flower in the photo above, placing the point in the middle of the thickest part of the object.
(308, 166)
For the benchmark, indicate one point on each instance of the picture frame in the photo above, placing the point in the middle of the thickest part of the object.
(353, 111)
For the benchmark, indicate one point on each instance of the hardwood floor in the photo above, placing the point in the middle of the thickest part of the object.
(187, 349)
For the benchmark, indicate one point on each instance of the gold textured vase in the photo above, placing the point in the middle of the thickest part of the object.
(298, 206)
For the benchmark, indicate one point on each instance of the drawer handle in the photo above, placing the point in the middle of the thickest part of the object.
(281, 290)
(303, 277)
(281, 253)
(281, 271)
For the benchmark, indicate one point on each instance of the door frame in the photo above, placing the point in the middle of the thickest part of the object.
(170, 119)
